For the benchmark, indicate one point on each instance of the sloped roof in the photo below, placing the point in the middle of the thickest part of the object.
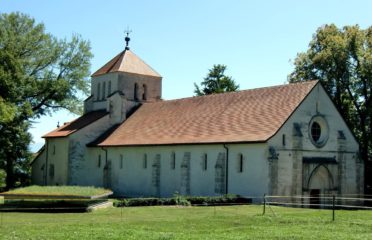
(127, 61)
(246, 116)
(76, 125)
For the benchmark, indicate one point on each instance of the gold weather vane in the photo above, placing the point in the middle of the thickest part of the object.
(127, 38)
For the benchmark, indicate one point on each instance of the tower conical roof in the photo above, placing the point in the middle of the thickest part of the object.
(128, 62)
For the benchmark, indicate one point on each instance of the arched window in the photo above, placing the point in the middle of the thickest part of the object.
(135, 91)
(109, 88)
(144, 96)
(98, 91)
(104, 90)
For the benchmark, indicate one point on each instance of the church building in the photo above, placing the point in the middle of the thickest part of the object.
(280, 140)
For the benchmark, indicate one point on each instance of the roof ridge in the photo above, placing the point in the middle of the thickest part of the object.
(236, 92)
(144, 63)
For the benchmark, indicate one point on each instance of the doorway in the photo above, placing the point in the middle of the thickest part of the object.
(315, 198)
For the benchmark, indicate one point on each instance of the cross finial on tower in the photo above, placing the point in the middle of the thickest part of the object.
(127, 38)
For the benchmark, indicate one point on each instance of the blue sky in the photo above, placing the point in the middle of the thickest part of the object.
(183, 39)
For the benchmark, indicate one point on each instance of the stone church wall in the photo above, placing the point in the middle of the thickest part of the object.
(298, 156)
(79, 161)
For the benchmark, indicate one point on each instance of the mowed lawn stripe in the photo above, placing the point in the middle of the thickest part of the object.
(222, 222)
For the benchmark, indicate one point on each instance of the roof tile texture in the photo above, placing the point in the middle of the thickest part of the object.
(127, 61)
(76, 125)
(246, 116)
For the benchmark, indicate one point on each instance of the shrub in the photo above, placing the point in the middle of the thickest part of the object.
(181, 201)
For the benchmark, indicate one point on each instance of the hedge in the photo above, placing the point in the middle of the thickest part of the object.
(182, 200)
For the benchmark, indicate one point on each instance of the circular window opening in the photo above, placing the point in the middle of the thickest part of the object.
(315, 131)
(318, 131)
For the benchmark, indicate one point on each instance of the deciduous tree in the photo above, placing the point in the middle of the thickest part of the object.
(38, 75)
(341, 58)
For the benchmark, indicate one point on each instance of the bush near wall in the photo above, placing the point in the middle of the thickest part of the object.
(2, 179)
(182, 201)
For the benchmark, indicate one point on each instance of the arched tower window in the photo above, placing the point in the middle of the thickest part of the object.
(144, 96)
(135, 91)
(109, 88)
(98, 91)
(104, 90)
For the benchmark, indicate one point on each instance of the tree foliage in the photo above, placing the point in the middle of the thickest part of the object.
(216, 82)
(38, 74)
(342, 60)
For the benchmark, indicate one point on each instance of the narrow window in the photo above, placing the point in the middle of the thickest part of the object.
(104, 90)
(135, 91)
(109, 88)
(145, 161)
(121, 161)
(54, 149)
(98, 91)
(205, 162)
(51, 170)
(99, 161)
(173, 160)
(283, 139)
(144, 96)
(240, 159)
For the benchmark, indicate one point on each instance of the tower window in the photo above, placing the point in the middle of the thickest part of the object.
(144, 96)
(283, 139)
(109, 88)
(135, 91)
(98, 91)
(104, 90)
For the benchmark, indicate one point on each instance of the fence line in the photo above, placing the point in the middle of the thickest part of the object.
(330, 203)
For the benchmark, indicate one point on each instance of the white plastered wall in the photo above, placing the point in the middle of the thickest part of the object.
(37, 169)
(133, 180)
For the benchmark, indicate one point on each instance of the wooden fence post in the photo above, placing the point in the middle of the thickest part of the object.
(333, 207)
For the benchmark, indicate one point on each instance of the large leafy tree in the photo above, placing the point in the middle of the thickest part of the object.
(216, 82)
(341, 58)
(38, 74)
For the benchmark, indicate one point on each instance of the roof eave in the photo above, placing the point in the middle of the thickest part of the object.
(178, 144)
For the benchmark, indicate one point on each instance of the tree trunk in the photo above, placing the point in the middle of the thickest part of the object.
(9, 180)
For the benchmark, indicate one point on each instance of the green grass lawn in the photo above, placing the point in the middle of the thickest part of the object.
(229, 222)
(59, 191)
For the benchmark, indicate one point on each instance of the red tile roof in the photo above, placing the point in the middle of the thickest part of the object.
(246, 116)
(76, 125)
(127, 61)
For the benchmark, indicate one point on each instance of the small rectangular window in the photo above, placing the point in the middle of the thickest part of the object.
(240, 162)
(99, 161)
(54, 149)
(173, 160)
(121, 161)
(283, 139)
(205, 162)
(145, 161)
(51, 170)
